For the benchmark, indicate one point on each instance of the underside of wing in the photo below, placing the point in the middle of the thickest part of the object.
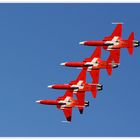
(81, 100)
(115, 55)
(95, 74)
(68, 113)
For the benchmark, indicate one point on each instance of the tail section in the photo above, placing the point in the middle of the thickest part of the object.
(130, 43)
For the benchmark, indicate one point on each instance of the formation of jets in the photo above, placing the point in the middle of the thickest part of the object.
(78, 87)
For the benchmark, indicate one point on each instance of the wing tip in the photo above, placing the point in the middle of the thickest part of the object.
(69, 119)
(81, 111)
(117, 23)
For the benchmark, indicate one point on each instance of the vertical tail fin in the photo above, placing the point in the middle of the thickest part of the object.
(130, 43)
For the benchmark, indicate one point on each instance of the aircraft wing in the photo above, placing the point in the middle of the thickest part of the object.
(97, 53)
(81, 99)
(117, 32)
(68, 113)
(95, 74)
(82, 75)
(115, 55)
(68, 93)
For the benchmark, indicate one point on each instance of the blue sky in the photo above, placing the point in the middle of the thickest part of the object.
(35, 39)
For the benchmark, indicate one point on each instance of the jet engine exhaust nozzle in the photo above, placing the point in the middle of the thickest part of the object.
(86, 103)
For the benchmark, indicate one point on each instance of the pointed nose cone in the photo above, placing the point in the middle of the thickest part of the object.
(82, 43)
(63, 64)
(38, 101)
(50, 86)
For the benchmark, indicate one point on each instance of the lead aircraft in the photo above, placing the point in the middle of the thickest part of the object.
(65, 103)
(114, 43)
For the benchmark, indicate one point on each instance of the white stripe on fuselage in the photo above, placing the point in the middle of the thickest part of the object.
(93, 62)
(67, 102)
(114, 41)
(78, 85)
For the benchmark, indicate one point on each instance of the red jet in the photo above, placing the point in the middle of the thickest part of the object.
(79, 87)
(65, 103)
(114, 43)
(93, 64)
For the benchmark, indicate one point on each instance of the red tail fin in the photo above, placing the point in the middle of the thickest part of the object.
(130, 43)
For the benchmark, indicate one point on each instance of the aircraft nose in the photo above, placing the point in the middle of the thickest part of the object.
(63, 64)
(38, 101)
(50, 86)
(82, 43)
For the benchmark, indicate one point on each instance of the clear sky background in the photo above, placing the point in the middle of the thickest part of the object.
(35, 39)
